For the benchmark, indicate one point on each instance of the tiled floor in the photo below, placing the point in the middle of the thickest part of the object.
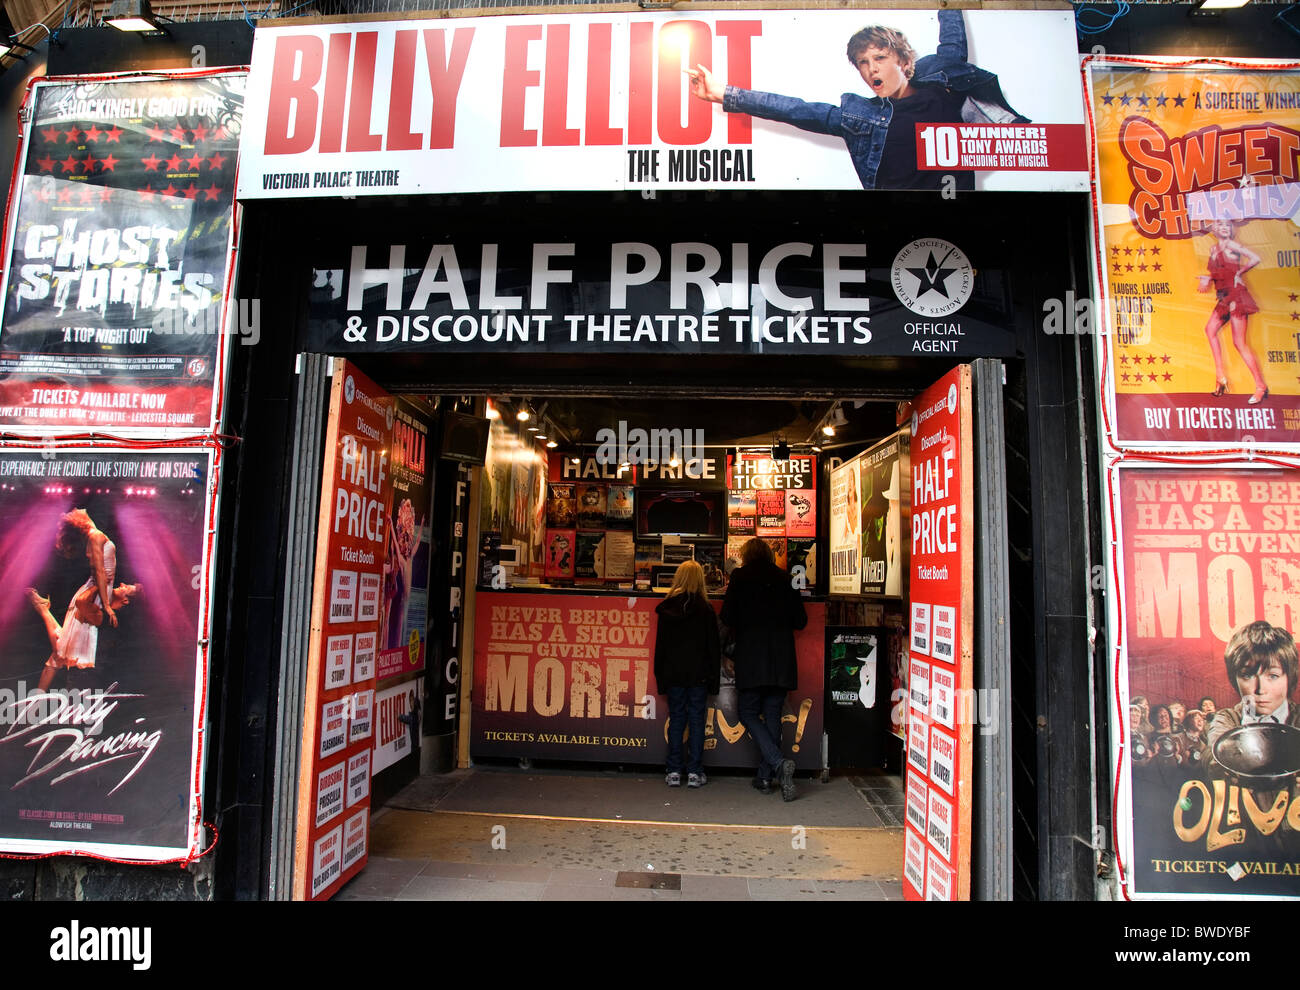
(407, 880)
(602, 837)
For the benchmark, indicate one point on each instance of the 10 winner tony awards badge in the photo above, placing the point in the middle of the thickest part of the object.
(932, 277)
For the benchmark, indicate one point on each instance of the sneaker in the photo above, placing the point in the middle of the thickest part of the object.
(788, 792)
(673, 779)
(762, 786)
(696, 779)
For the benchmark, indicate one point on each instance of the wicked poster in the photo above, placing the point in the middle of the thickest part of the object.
(1198, 267)
(1211, 727)
(101, 618)
(119, 254)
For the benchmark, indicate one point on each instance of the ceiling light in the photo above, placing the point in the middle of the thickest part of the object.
(828, 430)
(523, 414)
(552, 444)
(492, 411)
(131, 15)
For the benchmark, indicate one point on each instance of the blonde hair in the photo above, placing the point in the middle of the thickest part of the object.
(689, 580)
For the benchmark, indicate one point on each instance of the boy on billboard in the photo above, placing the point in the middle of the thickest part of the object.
(879, 129)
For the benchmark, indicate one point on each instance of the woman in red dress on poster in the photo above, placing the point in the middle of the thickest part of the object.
(1228, 263)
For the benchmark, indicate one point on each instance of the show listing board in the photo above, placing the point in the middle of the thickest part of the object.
(613, 521)
(362, 703)
(938, 765)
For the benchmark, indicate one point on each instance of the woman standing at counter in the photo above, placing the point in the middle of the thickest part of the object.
(763, 610)
(687, 661)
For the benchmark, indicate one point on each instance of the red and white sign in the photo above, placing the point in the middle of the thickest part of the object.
(363, 657)
(362, 715)
(329, 793)
(352, 538)
(942, 569)
(359, 777)
(914, 858)
(918, 685)
(603, 102)
(326, 861)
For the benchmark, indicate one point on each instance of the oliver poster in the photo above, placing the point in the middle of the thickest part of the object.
(1211, 565)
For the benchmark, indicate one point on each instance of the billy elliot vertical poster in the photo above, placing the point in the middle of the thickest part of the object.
(102, 612)
(119, 253)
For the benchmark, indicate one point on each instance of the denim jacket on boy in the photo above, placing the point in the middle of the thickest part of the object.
(863, 121)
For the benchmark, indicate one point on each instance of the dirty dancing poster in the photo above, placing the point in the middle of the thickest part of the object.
(98, 715)
(1199, 241)
(118, 258)
(1211, 564)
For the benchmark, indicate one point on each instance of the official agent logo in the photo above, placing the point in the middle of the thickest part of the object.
(349, 389)
(932, 277)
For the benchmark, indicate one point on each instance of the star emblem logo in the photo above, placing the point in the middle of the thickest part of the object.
(932, 277)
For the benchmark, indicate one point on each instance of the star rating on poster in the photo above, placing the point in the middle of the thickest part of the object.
(1138, 374)
(1142, 100)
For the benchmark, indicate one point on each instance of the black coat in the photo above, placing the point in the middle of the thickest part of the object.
(687, 651)
(762, 609)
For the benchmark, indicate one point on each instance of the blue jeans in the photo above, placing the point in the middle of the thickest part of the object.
(766, 734)
(686, 707)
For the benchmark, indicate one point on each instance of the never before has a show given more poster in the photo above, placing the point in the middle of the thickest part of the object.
(1211, 576)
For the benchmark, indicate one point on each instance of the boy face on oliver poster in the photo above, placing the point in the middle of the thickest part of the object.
(97, 694)
(1212, 720)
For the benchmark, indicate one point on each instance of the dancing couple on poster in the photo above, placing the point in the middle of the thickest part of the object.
(74, 643)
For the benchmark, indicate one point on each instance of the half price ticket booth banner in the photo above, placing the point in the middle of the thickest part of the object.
(119, 257)
(1211, 606)
(100, 714)
(603, 101)
(1198, 175)
(938, 770)
(339, 738)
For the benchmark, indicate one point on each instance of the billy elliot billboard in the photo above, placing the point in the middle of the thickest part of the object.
(739, 99)
(1211, 743)
(101, 620)
(118, 257)
(572, 677)
(1199, 175)
(577, 291)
